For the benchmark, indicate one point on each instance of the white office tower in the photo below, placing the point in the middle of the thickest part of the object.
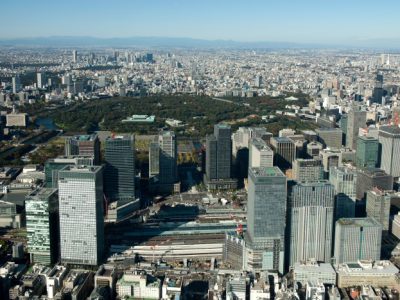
(40, 80)
(260, 155)
(241, 138)
(74, 56)
(81, 215)
(389, 139)
(310, 207)
(357, 239)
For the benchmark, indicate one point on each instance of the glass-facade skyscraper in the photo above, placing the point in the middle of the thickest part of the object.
(119, 173)
(367, 152)
(219, 159)
(168, 172)
(81, 215)
(42, 226)
(266, 218)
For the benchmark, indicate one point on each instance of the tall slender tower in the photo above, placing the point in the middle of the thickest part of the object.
(356, 119)
(168, 157)
(42, 226)
(74, 56)
(219, 159)
(389, 138)
(119, 174)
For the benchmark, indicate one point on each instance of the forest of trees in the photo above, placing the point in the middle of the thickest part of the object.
(197, 112)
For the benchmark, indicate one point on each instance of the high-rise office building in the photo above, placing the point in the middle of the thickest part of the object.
(87, 145)
(66, 79)
(377, 95)
(344, 180)
(369, 178)
(222, 134)
(42, 226)
(367, 152)
(53, 165)
(154, 159)
(307, 169)
(284, 150)
(266, 218)
(377, 92)
(260, 155)
(331, 158)
(378, 206)
(330, 137)
(356, 119)
(313, 149)
(357, 239)
(310, 135)
(119, 172)
(343, 126)
(219, 159)
(74, 56)
(310, 210)
(16, 84)
(81, 215)
(40, 80)
(389, 138)
(168, 157)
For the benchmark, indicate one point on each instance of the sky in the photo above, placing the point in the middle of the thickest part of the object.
(298, 21)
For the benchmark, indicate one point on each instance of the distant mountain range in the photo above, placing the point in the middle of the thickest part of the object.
(170, 42)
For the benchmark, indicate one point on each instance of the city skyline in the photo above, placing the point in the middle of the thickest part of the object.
(304, 23)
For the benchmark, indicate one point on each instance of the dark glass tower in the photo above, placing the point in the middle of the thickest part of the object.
(219, 149)
(119, 175)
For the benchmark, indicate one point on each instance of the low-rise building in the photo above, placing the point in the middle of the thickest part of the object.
(138, 285)
(312, 270)
(376, 273)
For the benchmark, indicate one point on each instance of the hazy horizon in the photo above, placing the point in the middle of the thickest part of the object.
(340, 22)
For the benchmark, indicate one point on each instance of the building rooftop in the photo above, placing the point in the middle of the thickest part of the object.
(81, 169)
(42, 193)
(314, 183)
(390, 129)
(361, 222)
(327, 129)
(85, 137)
(267, 172)
(367, 138)
(313, 266)
(260, 144)
(365, 267)
(223, 126)
(373, 172)
(127, 137)
(282, 139)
